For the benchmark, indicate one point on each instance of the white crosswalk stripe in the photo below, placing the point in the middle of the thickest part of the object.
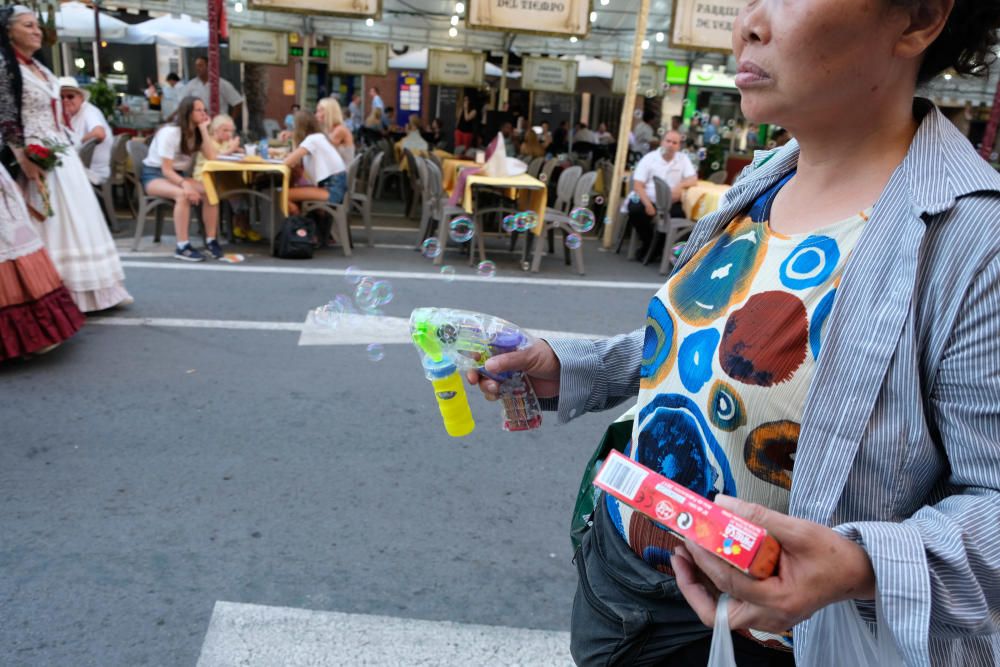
(261, 636)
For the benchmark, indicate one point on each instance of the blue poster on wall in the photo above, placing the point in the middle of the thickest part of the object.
(410, 96)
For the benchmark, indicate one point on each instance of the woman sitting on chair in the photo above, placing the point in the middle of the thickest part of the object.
(320, 162)
(331, 121)
(172, 152)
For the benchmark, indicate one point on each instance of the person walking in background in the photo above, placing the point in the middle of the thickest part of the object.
(230, 101)
(465, 130)
(331, 121)
(376, 99)
(172, 153)
(37, 312)
(643, 134)
(75, 234)
(356, 115)
(168, 96)
(84, 122)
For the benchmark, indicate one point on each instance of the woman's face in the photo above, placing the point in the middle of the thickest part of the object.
(812, 61)
(198, 113)
(25, 33)
(320, 116)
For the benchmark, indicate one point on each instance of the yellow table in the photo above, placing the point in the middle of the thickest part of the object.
(531, 193)
(223, 178)
(439, 153)
(450, 168)
(701, 199)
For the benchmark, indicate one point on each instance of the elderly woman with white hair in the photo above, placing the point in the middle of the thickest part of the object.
(75, 235)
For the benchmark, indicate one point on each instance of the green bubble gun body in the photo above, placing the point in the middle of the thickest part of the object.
(451, 342)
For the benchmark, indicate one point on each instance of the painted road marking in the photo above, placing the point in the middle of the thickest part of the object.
(351, 329)
(262, 636)
(381, 273)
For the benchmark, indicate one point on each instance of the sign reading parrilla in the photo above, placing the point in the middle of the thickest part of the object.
(547, 17)
(704, 26)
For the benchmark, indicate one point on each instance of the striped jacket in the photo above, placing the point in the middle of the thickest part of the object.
(900, 441)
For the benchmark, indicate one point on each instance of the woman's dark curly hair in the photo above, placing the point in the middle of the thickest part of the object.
(967, 42)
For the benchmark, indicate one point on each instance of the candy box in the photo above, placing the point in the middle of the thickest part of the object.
(742, 544)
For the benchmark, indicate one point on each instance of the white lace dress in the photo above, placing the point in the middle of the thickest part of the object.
(76, 236)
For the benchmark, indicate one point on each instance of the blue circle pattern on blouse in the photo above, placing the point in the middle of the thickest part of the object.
(820, 314)
(658, 345)
(694, 359)
(811, 263)
(676, 441)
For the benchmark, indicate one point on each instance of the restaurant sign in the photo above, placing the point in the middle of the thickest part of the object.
(548, 74)
(258, 46)
(704, 26)
(651, 77)
(359, 57)
(455, 68)
(349, 8)
(561, 18)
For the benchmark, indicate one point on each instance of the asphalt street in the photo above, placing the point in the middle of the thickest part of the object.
(151, 469)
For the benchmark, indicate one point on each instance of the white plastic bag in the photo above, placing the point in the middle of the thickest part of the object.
(721, 654)
(839, 636)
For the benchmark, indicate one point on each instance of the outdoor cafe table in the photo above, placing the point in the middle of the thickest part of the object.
(450, 168)
(439, 153)
(225, 178)
(702, 198)
(530, 192)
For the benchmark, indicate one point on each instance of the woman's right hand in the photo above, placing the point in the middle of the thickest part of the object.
(538, 362)
(31, 170)
(190, 192)
(650, 210)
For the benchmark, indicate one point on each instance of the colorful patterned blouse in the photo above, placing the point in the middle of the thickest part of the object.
(731, 344)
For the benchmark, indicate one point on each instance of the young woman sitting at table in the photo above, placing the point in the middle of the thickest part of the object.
(330, 117)
(172, 152)
(320, 162)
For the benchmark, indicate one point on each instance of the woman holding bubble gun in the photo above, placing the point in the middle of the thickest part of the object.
(822, 361)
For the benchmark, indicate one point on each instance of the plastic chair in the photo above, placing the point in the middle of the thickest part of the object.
(535, 166)
(390, 169)
(362, 201)
(416, 185)
(137, 151)
(718, 177)
(272, 128)
(556, 219)
(438, 209)
(547, 168)
(85, 151)
(671, 229)
(339, 214)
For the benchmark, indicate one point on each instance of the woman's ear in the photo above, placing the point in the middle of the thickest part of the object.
(927, 19)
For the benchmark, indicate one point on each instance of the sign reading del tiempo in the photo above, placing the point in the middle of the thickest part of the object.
(547, 17)
(704, 26)
(549, 74)
(350, 8)
(258, 46)
(359, 57)
(455, 68)
(651, 77)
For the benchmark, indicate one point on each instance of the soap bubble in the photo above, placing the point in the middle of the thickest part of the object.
(686, 103)
(543, 177)
(371, 293)
(431, 248)
(462, 229)
(353, 274)
(665, 87)
(731, 122)
(715, 139)
(328, 315)
(715, 165)
(679, 248)
(581, 220)
(376, 352)
(509, 223)
(599, 200)
(661, 131)
(486, 269)
(637, 113)
(650, 92)
(448, 272)
(526, 221)
(573, 241)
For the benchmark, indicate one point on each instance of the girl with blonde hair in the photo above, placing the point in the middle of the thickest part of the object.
(331, 121)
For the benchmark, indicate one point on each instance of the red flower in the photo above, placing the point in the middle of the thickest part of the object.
(41, 152)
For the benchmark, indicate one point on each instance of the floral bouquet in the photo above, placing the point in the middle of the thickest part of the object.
(47, 156)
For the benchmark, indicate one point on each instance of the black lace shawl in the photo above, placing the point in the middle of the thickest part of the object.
(11, 128)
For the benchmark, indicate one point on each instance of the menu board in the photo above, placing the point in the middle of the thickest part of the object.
(258, 46)
(549, 74)
(455, 68)
(358, 57)
(651, 77)
(559, 18)
(704, 26)
(350, 8)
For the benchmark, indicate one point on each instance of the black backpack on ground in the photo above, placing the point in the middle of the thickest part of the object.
(294, 239)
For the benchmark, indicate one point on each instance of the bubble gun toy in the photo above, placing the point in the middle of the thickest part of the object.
(451, 342)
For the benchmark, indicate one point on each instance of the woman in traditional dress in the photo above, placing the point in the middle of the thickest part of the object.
(36, 310)
(75, 235)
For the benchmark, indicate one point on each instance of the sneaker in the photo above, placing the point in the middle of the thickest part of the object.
(214, 248)
(188, 254)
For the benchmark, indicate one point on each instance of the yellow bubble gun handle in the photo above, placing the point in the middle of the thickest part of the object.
(451, 398)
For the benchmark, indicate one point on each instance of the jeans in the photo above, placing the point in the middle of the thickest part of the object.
(627, 613)
(336, 185)
(150, 174)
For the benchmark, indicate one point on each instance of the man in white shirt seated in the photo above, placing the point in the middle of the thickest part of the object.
(84, 122)
(670, 166)
(230, 101)
(584, 134)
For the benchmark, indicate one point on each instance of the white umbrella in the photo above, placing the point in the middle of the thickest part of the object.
(75, 20)
(182, 32)
(417, 59)
(593, 67)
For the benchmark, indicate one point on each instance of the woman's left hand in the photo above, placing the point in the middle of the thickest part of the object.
(817, 567)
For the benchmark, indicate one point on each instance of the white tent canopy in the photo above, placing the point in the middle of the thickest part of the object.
(183, 32)
(592, 67)
(75, 20)
(417, 59)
